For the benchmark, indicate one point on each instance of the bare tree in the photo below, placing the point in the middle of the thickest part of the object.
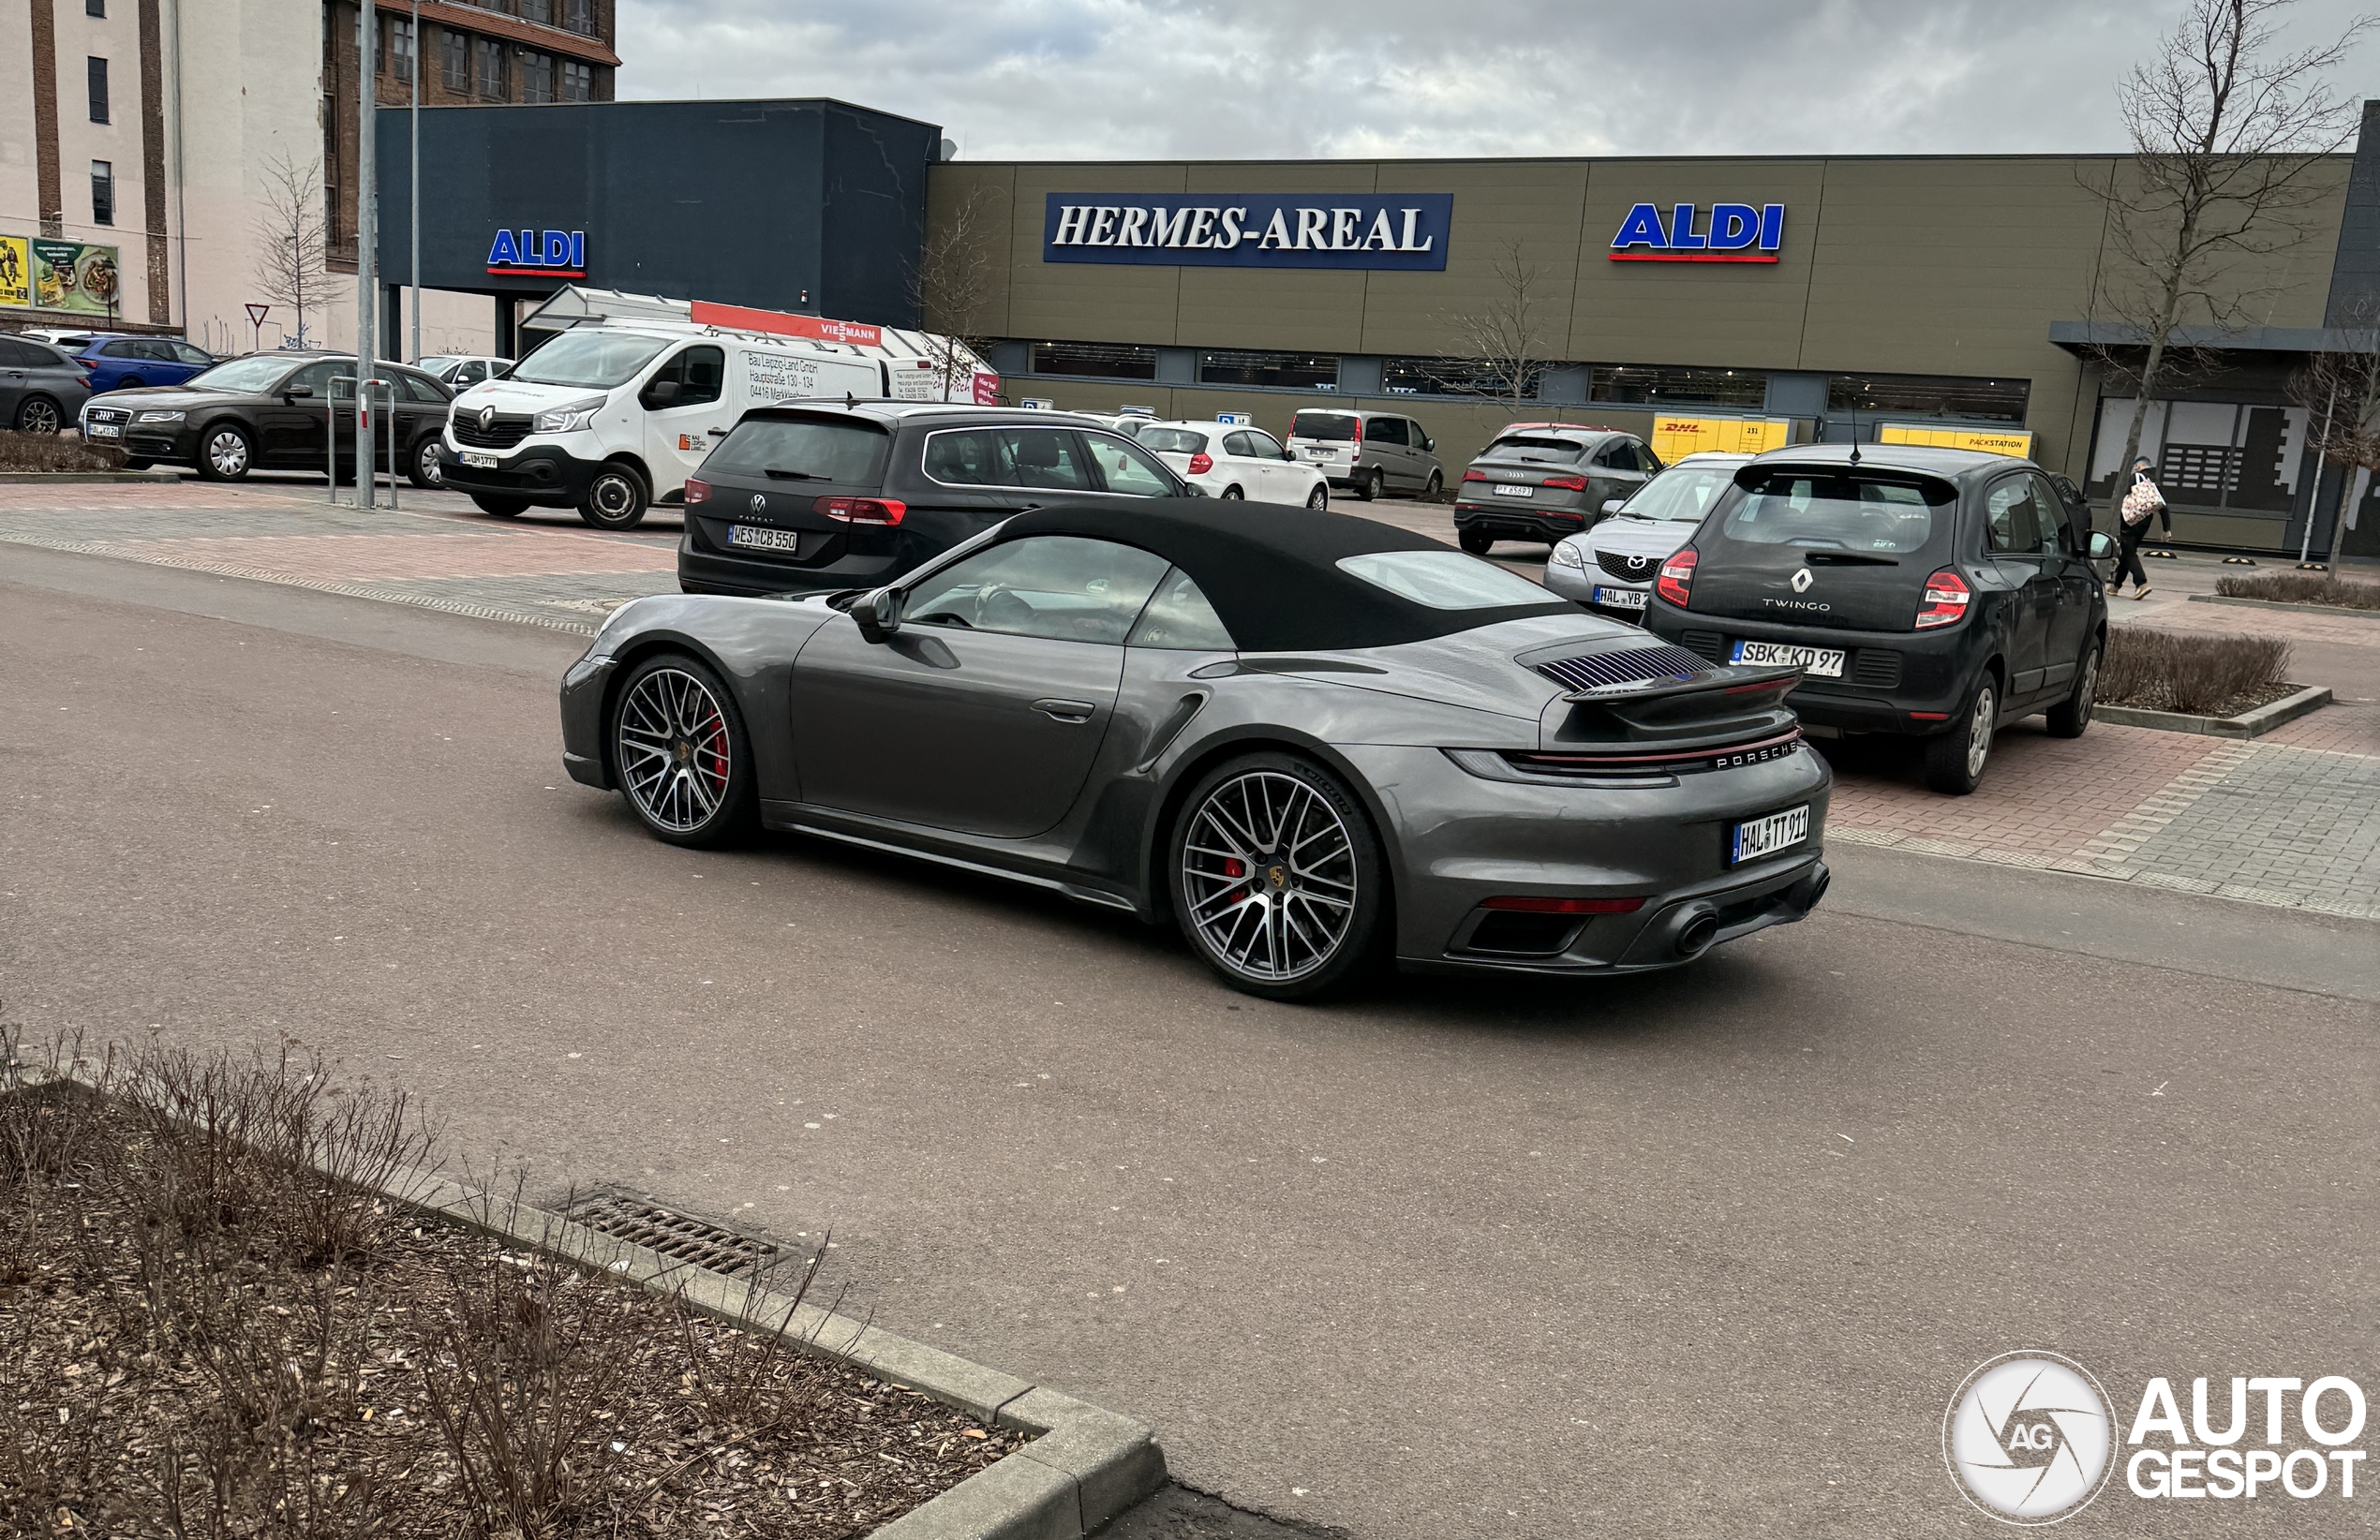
(954, 284)
(290, 239)
(1500, 345)
(2225, 132)
(2341, 393)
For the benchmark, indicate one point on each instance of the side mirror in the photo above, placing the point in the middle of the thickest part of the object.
(1611, 505)
(1289, 455)
(878, 613)
(1429, 446)
(660, 394)
(2102, 546)
(298, 392)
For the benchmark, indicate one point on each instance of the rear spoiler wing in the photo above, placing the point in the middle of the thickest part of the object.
(1689, 707)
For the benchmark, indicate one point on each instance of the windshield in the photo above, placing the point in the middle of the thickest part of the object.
(1680, 496)
(1445, 580)
(1324, 427)
(246, 375)
(1536, 450)
(799, 450)
(1172, 440)
(600, 358)
(1830, 511)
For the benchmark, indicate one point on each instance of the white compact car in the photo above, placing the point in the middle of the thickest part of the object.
(1232, 459)
(1610, 567)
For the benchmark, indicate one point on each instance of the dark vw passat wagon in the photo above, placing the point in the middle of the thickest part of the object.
(813, 496)
(1935, 593)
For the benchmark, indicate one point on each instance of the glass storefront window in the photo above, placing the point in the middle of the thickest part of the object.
(2238, 456)
(1931, 395)
(1096, 360)
(1291, 371)
(1452, 376)
(1667, 385)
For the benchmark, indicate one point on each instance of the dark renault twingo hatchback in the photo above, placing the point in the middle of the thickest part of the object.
(1935, 593)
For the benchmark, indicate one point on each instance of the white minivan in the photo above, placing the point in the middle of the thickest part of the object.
(612, 419)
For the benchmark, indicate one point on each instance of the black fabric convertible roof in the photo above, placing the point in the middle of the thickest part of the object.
(1271, 572)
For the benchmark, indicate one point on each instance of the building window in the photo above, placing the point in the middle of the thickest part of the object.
(579, 17)
(400, 48)
(537, 76)
(102, 192)
(1289, 371)
(1929, 395)
(1100, 360)
(96, 7)
(491, 70)
(540, 11)
(454, 58)
(578, 81)
(1657, 385)
(1452, 377)
(96, 73)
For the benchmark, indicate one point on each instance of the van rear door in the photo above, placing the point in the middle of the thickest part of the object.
(1835, 545)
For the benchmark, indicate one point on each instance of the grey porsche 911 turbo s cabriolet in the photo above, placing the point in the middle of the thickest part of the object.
(1315, 743)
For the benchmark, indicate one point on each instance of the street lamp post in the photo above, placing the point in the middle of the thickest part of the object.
(367, 277)
(413, 219)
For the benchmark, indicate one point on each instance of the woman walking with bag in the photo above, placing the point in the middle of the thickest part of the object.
(2140, 503)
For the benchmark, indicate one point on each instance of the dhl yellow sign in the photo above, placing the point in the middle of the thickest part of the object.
(1675, 438)
(2015, 442)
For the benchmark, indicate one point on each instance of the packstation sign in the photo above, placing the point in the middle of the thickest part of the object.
(1396, 232)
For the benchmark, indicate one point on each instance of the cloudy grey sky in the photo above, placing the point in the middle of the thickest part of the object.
(1283, 78)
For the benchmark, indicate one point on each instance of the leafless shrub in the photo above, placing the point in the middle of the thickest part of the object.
(738, 1374)
(2302, 588)
(2200, 675)
(55, 451)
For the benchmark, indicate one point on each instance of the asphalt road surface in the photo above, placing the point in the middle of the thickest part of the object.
(1694, 1254)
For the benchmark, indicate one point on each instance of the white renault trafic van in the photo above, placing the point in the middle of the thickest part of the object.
(613, 418)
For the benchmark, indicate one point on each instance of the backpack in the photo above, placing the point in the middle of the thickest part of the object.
(2142, 502)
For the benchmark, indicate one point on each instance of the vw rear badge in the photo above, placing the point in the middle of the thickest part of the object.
(760, 503)
(1802, 579)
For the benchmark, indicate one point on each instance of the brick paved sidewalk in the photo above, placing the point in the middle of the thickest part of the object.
(2290, 819)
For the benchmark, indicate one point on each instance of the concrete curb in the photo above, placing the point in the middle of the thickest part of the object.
(68, 478)
(2284, 604)
(2253, 724)
(1087, 1466)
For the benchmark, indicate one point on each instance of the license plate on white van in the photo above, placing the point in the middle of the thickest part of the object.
(478, 461)
(756, 538)
(1516, 491)
(1825, 662)
(1760, 837)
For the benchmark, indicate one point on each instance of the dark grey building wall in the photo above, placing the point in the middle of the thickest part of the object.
(813, 206)
(2354, 278)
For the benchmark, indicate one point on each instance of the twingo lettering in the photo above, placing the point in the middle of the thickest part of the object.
(1735, 232)
(547, 253)
(1393, 230)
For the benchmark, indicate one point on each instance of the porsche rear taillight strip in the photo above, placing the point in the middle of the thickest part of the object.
(1662, 763)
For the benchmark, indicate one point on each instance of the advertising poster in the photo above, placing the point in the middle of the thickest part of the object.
(16, 272)
(70, 275)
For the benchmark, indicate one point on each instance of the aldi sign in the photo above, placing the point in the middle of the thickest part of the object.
(1733, 233)
(1399, 231)
(541, 253)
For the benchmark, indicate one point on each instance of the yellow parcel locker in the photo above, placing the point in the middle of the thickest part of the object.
(1675, 438)
(2015, 442)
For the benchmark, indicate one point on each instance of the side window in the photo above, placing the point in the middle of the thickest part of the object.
(470, 373)
(1046, 457)
(1646, 461)
(968, 457)
(1062, 587)
(1263, 445)
(124, 350)
(2011, 526)
(1387, 429)
(188, 354)
(15, 354)
(2053, 515)
(1619, 454)
(700, 373)
(1237, 443)
(1180, 619)
(420, 388)
(317, 378)
(1128, 468)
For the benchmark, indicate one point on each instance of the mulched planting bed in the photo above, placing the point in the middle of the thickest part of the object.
(55, 451)
(2302, 588)
(201, 1335)
(2194, 676)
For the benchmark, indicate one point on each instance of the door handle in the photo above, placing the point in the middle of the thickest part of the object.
(718, 433)
(1073, 712)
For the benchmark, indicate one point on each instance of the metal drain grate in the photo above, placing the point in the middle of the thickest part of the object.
(674, 1235)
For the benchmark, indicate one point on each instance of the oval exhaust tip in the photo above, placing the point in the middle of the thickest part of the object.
(1695, 937)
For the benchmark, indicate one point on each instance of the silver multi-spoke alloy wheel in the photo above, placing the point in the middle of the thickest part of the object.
(226, 453)
(1319, 498)
(39, 414)
(1269, 877)
(1979, 730)
(676, 753)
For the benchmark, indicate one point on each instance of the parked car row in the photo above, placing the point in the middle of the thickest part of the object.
(272, 412)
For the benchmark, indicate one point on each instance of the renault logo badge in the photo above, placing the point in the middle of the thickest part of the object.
(1802, 579)
(487, 418)
(760, 503)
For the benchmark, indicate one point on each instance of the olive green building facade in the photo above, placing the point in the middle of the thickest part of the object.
(1926, 291)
